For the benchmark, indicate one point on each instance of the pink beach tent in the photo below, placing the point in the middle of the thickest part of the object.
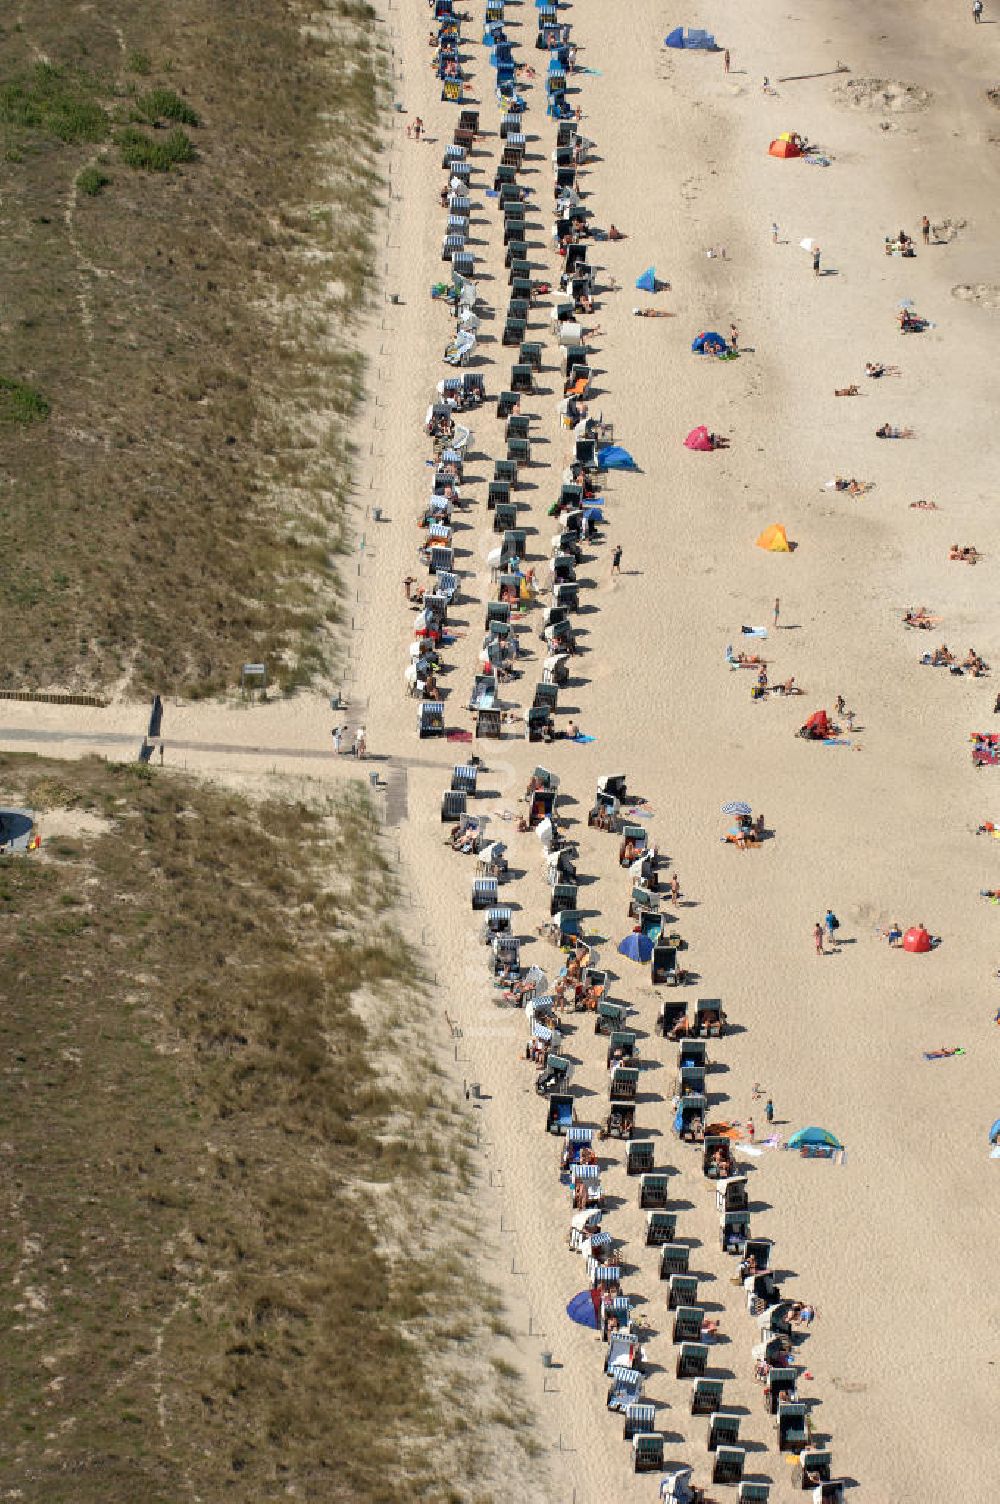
(699, 438)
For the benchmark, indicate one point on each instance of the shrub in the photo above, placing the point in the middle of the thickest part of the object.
(139, 62)
(142, 152)
(91, 180)
(165, 104)
(20, 403)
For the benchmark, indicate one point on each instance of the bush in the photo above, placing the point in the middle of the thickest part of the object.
(91, 180)
(142, 152)
(20, 403)
(139, 62)
(165, 104)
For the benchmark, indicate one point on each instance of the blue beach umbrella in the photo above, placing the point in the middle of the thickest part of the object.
(995, 1132)
(582, 1310)
(646, 281)
(737, 807)
(636, 946)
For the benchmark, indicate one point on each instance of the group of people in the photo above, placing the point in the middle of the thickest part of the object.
(359, 746)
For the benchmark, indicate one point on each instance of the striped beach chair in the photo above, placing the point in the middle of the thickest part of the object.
(484, 892)
(638, 1418)
(626, 1389)
(465, 777)
(603, 1274)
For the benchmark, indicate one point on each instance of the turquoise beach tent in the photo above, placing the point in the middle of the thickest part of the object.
(690, 39)
(647, 281)
(814, 1136)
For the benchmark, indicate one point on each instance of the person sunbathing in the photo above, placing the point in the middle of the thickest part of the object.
(967, 555)
(751, 660)
(974, 664)
(650, 313)
(942, 656)
(846, 391)
(789, 687)
(918, 616)
(887, 431)
(923, 506)
(842, 483)
(615, 234)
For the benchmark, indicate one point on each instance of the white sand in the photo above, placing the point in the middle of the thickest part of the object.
(893, 1247)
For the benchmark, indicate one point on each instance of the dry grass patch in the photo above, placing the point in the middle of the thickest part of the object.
(185, 227)
(238, 1249)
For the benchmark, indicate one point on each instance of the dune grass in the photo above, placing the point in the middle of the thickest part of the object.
(235, 1216)
(185, 247)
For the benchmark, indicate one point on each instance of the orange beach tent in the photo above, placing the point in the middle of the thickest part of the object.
(774, 539)
(785, 146)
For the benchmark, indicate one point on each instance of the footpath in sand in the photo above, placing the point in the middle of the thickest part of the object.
(892, 1246)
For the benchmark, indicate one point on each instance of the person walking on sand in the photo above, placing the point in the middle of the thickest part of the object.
(777, 610)
(977, 11)
(774, 234)
(675, 887)
(841, 705)
(734, 337)
(925, 230)
(725, 61)
(818, 938)
(360, 744)
(832, 926)
(418, 128)
(769, 1110)
(338, 736)
(815, 260)
(751, 1130)
(616, 560)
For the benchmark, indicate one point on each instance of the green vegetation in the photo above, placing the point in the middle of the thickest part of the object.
(142, 151)
(54, 102)
(238, 1254)
(90, 180)
(165, 104)
(20, 403)
(192, 326)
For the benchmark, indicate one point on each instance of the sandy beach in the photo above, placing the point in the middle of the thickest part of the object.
(891, 1244)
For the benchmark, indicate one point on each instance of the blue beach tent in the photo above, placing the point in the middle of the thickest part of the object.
(647, 281)
(709, 343)
(702, 41)
(613, 457)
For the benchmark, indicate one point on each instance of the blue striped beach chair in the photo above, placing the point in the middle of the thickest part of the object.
(638, 1418)
(464, 777)
(484, 892)
(625, 1390)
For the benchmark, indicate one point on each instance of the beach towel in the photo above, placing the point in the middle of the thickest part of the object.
(754, 631)
(458, 736)
(580, 739)
(836, 741)
(945, 1053)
